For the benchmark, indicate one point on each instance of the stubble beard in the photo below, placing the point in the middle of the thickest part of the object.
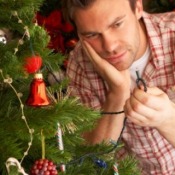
(126, 64)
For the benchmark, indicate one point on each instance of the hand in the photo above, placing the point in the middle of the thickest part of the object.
(109, 127)
(116, 80)
(152, 108)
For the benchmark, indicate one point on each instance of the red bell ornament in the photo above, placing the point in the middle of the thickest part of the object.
(37, 96)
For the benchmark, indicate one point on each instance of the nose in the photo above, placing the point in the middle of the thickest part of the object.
(109, 43)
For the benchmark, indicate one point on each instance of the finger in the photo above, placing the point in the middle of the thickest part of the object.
(102, 66)
(85, 48)
(134, 116)
(99, 63)
(94, 57)
(152, 98)
(137, 121)
(137, 109)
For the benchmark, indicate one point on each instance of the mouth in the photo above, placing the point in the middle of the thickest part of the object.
(116, 58)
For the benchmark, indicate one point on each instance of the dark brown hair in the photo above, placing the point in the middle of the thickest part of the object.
(68, 7)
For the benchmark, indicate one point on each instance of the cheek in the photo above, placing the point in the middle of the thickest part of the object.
(131, 37)
(95, 44)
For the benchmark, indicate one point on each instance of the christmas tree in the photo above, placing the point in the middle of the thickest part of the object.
(31, 130)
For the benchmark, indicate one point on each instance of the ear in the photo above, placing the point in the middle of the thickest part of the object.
(139, 9)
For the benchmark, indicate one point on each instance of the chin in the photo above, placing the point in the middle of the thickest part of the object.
(121, 67)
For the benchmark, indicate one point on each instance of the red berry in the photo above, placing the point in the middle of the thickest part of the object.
(47, 173)
(43, 167)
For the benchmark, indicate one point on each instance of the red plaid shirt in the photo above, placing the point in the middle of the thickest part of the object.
(156, 156)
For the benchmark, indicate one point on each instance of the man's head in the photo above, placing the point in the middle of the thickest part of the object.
(69, 6)
(112, 27)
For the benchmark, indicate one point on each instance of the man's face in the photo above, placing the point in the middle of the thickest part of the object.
(112, 29)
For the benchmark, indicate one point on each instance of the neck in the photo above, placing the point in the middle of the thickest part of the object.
(143, 40)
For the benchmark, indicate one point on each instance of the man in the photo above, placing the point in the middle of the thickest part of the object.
(118, 39)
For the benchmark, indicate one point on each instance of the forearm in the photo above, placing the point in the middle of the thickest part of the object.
(108, 127)
(169, 135)
(167, 129)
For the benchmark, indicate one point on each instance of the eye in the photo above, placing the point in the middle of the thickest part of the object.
(91, 35)
(118, 24)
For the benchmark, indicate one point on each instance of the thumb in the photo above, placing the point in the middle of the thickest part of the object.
(154, 91)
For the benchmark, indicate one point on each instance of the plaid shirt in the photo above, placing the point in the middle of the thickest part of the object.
(156, 156)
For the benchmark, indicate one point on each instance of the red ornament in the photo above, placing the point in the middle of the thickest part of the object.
(67, 27)
(57, 28)
(65, 63)
(33, 64)
(43, 166)
(37, 96)
(71, 43)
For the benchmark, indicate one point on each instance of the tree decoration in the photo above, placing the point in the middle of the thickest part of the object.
(60, 145)
(115, 167)
(26, 31)
(13, 161)
(43, 166)
(62, 34)
(70, 44)
(37, 96)
(32, 64)
(3, 36)
(3, 39)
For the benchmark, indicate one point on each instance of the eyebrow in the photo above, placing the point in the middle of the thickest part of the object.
(94, 32)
